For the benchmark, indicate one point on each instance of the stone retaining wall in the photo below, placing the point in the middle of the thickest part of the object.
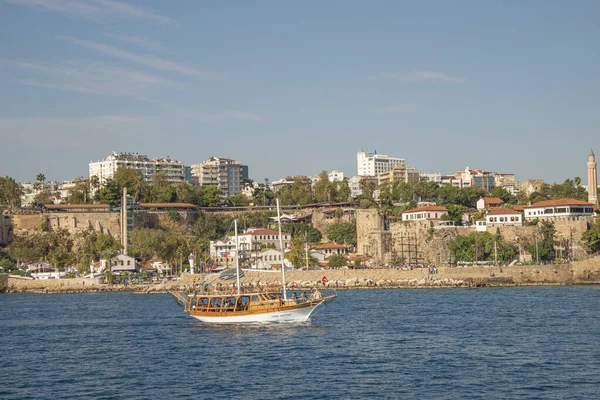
(577, 273)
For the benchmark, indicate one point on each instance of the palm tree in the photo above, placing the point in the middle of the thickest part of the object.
(108, 255)
(41, 178)
(94, 183)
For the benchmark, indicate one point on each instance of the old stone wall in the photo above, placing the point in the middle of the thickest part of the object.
(532, 274)
(3, 282)
(322, 220)
(427, 241)
(6, 229)
(371, 239)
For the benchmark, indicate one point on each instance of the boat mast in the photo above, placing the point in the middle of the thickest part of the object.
(282, 252)
(237, 258)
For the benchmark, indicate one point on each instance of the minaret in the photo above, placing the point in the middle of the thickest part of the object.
(592, 179)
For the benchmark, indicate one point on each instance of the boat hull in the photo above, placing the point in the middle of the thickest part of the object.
(280, 316)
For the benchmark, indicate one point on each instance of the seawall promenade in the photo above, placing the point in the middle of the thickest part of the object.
(581, 272)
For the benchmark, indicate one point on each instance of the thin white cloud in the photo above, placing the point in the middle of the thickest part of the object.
(393, 109)
(84, 77)
(139, 41)
(147, 60)
(418, 76)
(74, 132)
(96, 10)
(221, 116)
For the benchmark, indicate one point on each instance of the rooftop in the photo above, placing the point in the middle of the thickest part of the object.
(426, 208)
(560, 202)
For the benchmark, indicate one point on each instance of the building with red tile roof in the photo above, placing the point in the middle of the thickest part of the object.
(424, 213)
(559, 208)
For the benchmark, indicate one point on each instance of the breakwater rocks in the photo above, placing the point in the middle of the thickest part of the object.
(584, 272)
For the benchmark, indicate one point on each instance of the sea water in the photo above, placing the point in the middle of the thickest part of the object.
(501, 343)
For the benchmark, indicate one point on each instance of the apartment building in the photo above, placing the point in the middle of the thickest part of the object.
(372, 164)
(224, 173)
(173, 170)
(398, 174)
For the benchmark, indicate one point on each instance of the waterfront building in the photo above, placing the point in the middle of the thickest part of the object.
(257, 238)
(372, 164)
(268, 259)
(592, 179)
(503, 216)
(549, 209)
(424, 213)
(224, 173)
(399, 173)
(331, 248)
(250, 244)
(489, 202)
(173, 170)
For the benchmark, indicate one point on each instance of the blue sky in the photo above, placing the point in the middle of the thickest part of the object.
(299, 87)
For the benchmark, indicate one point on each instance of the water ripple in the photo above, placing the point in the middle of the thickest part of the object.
(446, 344)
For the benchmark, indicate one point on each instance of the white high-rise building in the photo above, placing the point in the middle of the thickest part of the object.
(372, 164)
(173, 170)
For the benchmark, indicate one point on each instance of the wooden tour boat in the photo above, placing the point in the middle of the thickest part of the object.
(252, 307)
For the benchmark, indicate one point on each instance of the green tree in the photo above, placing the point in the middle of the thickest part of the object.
(94, 245)
(455, 214)
(40, 181)
(110, 193)
(44, 197)
(343, 191)
(162, 191)
(263, 196)
(545, 244)
(503, 194)
(23, 250)
(238, 200)
(211, 196)
(60, 251)
(591, 237)
(321, 188)
(337, 261)
(10, 192)
(298, 193)
(342, 232)
(133, 180)
(297, 254)
(302, 230)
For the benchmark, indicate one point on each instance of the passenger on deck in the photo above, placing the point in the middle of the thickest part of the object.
(296, 297)
(303, 298)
